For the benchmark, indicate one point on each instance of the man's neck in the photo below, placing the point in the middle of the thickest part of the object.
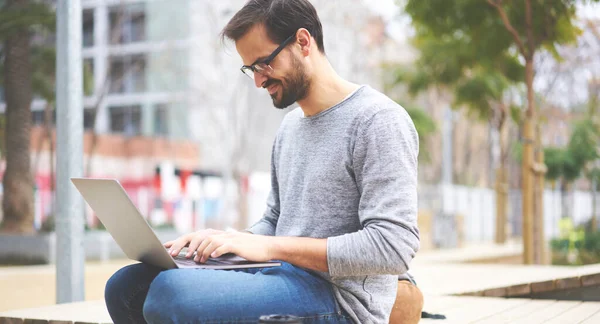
(327, 89)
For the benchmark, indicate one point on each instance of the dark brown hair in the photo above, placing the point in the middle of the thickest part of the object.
(281, 18)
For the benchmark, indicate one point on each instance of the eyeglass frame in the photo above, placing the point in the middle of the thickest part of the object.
(267, 61)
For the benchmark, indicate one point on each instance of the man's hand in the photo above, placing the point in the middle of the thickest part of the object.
(304, 252)
(189, 239)
(216, 243)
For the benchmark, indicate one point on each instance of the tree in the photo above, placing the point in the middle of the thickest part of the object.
(479, 84)
(492, 27)
(18, 18)
(43, 77)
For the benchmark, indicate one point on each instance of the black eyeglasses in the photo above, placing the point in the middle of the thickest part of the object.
(263, 66)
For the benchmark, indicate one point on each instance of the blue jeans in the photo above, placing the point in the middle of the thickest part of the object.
(142, 293)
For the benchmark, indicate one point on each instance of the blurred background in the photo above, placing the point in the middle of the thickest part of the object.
(168, 113)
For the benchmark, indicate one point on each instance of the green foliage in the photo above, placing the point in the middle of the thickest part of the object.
(569, 162)
(40, 18)
(461, 55)
(425, 127)
(561, 164)
(467, 48)
(594, 176)
(43, 64)
(554, 159)
(575, 245)
(584, 142)
(35, 15)
(478, 23)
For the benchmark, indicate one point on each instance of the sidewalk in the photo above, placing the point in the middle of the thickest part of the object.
(35, 286)
(441, 275)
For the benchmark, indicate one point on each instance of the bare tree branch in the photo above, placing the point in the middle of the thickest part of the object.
(529, 29)
(498, 5)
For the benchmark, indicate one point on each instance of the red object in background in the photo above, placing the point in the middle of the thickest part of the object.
(156, 183)
(183, 177)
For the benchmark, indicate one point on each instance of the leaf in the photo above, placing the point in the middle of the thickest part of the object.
(88, 79)
(34, 14)
(516, 114)
(554, 158)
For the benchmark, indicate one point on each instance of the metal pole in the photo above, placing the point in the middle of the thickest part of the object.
(69, 127)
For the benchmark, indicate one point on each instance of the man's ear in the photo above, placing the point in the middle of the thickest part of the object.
(304, 40)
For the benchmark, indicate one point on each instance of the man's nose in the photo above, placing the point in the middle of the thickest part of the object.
(259, 79)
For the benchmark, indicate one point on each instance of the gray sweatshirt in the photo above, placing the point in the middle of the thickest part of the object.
(349, 174)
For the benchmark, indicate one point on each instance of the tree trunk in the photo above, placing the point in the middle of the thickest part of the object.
(501, 189)
(564, 200)
(539, 238)
(499, 161)
(594, 206)
(527, 172)
(17, 202)
(501, 202)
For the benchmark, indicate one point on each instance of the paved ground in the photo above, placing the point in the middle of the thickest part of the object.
(35, 286)
(438, 273)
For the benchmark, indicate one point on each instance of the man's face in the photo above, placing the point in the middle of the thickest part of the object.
(288, 81)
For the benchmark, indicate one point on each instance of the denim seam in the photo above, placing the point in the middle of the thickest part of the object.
(254, 320)
(321, 315)
(127, 302)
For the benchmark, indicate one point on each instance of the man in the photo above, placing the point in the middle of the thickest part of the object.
(342, 212)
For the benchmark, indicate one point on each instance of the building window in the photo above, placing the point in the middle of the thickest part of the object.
(37, 117)
(89, 118)
(128, 74)
(126, 120)
(127, 24)
(161, 126)
(88, 76)
(88, 27)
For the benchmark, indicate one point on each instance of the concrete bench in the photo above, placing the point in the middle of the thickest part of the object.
(93, 312)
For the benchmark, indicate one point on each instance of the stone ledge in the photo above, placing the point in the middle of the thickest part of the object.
(529, 289)
(93, 312)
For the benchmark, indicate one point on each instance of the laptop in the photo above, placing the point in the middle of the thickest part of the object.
(136, 238)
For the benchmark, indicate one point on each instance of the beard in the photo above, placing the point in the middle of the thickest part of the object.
(293, 87)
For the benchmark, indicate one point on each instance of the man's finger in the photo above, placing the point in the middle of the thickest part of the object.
(202, 247)
(215, 244)
(168, 244)
(179, 244)
(194, 244)
(225, 248)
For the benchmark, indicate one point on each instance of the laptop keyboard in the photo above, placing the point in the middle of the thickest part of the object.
(181, 260)
(226, 259)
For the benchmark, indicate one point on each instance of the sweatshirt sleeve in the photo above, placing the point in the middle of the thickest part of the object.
(267, 224)
(385, 166)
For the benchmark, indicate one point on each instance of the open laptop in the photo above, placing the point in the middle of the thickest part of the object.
(132, 233)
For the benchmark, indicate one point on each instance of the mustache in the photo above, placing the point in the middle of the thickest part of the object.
(270, 82)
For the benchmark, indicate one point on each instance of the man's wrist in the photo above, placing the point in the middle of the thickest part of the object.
(275, 248)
